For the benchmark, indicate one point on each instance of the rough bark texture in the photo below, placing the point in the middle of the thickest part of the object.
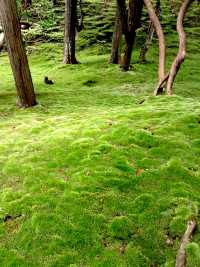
(181, 256)
(155, 20)
(17, 55)
(130, 23)
(150, 34)
(117, 34)
(182, 46)
(70, 32)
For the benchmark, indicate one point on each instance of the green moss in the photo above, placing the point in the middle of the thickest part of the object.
(193, 255)
(121, 227)
(91, 177)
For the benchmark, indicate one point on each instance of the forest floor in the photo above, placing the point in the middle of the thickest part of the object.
(100, 172)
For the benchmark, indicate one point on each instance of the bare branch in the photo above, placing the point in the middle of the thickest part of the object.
(181, 256)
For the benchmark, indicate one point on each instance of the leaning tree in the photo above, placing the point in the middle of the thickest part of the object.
(17, 55)
(166, 79)
(150, 34)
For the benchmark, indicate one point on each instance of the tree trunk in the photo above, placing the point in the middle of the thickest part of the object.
(70, 32)
(182, 46)
(117, 34)
(17, 55)
(147, 44)
(150, 34)
(130, 23)
(161, 69)
(130, 39)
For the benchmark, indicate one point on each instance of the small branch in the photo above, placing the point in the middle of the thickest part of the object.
(161, 85)
(181, 256)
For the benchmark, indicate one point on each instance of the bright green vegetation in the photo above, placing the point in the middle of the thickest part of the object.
(94, 175)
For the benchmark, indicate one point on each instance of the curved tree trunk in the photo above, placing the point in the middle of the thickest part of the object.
(182, 46)
(70, 32)
(117, 34)
(155, 20)
(150, 34)
(17, 55)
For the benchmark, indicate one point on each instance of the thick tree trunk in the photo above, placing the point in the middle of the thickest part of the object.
(17, 55)
(70, 32)
(150, 34)
(128, 51)
(117, 34)
(182, 46)
(133, 23)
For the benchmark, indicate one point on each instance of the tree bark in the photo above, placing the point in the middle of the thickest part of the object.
(17, 55)
(117, 34)
(70, 32)
(161, 38)
(182, 46)
(130, 23)
(181, 256)
(150, 34)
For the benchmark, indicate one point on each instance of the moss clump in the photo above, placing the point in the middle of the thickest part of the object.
(121, 227)
(193, 255)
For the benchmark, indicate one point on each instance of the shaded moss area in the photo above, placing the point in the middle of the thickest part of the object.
(99, 173)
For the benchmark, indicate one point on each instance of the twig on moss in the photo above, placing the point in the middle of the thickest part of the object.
(181, 256)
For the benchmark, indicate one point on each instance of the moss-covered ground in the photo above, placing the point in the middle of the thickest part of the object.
(100, 172)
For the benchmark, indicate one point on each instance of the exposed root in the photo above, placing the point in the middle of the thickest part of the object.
(181, 256)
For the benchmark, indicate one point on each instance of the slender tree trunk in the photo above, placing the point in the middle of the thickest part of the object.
(182, 46)
(117, 34)
(161, 69)
(150, 34)
(17, 55)
(70, 32)
(133, 23)
(147, 44)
